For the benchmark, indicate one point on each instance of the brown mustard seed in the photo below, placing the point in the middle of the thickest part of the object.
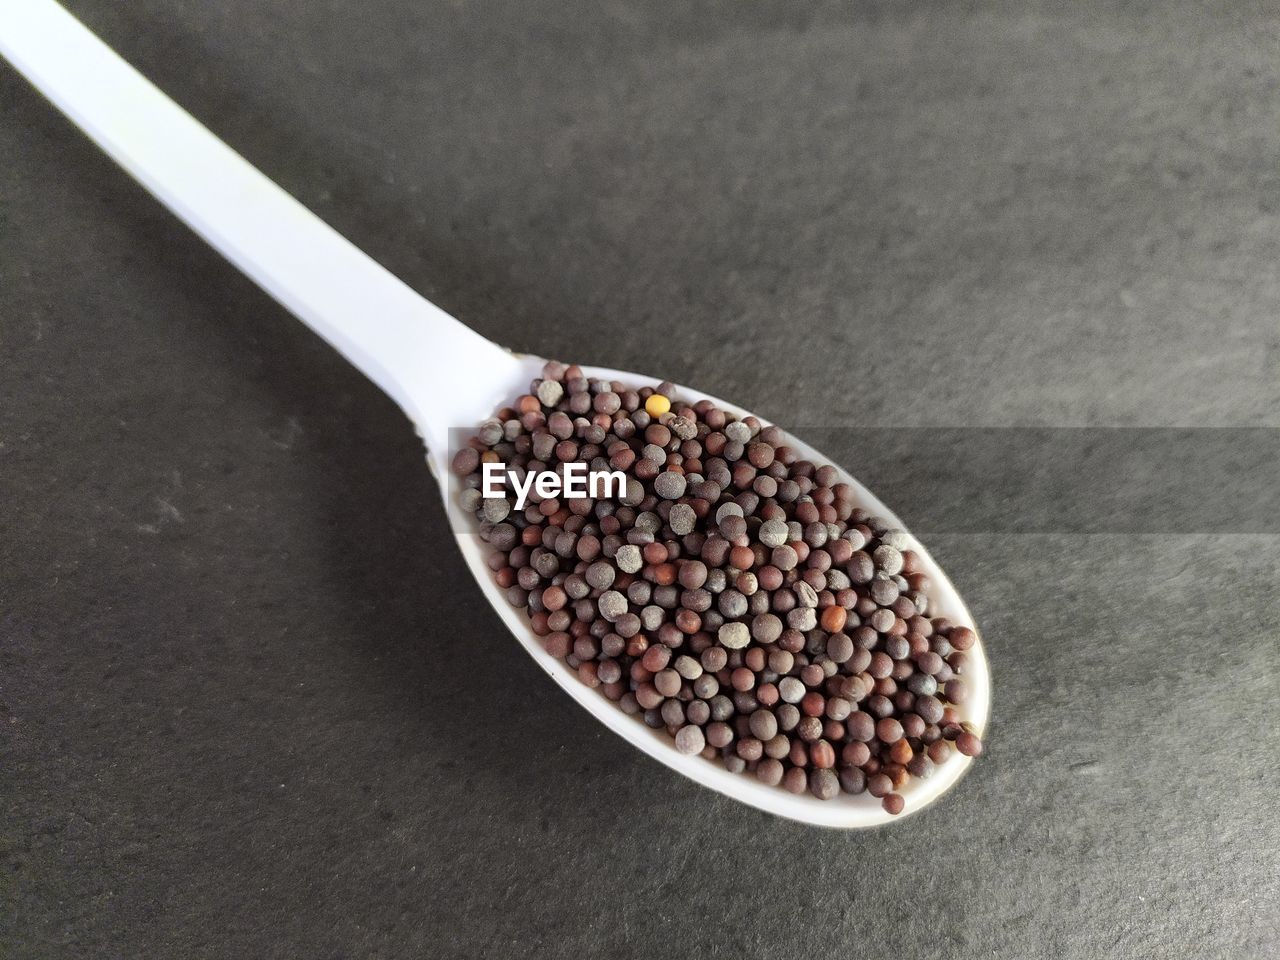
(731, 594)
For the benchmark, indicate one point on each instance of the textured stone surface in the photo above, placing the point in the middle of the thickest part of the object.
(241, 712)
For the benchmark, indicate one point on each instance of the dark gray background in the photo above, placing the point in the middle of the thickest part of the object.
(251, 704)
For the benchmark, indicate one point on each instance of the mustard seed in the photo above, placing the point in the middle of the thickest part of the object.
(770, 771)
(824, 784)
(764, 725)
(957, 691)
(795, 780)
(962, 638)
(734, 636)
(732, 593)
(690, 739)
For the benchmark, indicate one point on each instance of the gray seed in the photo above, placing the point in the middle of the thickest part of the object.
(470, 499)
(629, 559)
(823, 784)
(651, 617)
(690, 740)
(806, 596)
(883, 590)
(682, 519)
(790, 690)
(545, 563)
(803, 619)
(855, 538)
(490, 432)
(894, 538)
(882, 620)
(654, 453)
(600, 575)
(496, 509)
(503, 536)
(550, 392)
(773, 533)
(888, 559)
(669, 485)
(648, 522)
(766, 628)
(735, 636)
(764, 725)
(732, 604)
(737, 431)
(684, 428)
(612, 605)
(922, 685)
(929, 708)
(688, 667)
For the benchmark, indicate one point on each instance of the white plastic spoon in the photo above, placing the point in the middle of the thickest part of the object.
(439, 371)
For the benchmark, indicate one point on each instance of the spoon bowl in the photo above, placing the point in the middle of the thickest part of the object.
(843, 811)
(443, 374)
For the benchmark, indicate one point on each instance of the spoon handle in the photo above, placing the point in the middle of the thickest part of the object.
(409, 347)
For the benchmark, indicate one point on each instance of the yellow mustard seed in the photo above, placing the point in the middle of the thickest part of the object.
(657, 405)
